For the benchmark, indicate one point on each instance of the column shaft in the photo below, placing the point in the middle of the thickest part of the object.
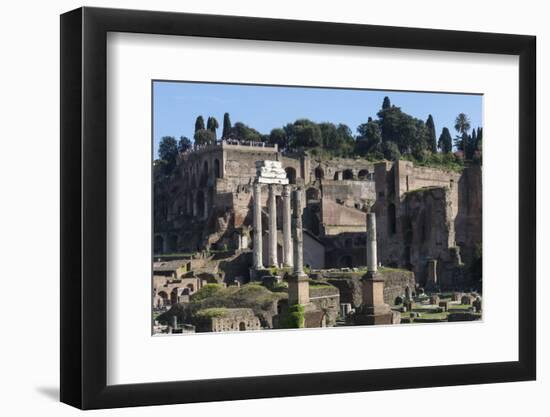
(288, 255)
(297, 233)
(372, 263)
(272, 227)
(257, 220)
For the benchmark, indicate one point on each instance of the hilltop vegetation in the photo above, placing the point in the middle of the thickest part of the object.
(392, 135)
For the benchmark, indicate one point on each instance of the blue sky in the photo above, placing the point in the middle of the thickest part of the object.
(177, 105)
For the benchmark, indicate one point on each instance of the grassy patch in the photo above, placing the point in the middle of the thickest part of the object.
(384, 269)
(438, 316)
(206, 292)
(211, 313)
(458, 307)
(438, 160)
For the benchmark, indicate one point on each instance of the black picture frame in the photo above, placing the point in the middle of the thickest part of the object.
(84, 207)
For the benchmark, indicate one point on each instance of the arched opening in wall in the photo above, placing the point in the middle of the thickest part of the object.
(204, 176)
(174, 296)
(158, 245)
(200, 204)
(319, 173)
(217, 169)
(191, 287)
(336, 176)
(312, 194)
(363, 174)
(164, 299)
(346, 261)
(172, 243)
(291, 175)
(348, 174)
(392, 220)
(242, 326)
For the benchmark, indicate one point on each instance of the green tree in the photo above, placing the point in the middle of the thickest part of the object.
(199, 124)
(338, 140)
(226, 126)
(278, 137)
(462, 123)
(204, 137)
(445, 141)
(430, 125)
(212, 125)
(463, 143)
(184, 144)
(303, 133)
(390, 151)
(369, 140)
(168, 152)
(386, 104)
(479, 139)
(404, 130)
(240, 131)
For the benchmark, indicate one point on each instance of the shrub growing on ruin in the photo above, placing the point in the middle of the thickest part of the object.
(206, 292)
(294, 318)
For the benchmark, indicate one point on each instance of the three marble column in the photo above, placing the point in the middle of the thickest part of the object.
(288, 255)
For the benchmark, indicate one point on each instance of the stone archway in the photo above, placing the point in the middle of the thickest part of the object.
(363, 174)
(200, 204)
(348, 174)
(174, 296)
(163, 302)
(319, 173)
(291, 174)
(346, 261)
(204, 175)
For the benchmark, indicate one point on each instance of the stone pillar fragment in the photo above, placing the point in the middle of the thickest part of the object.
(372, 262)
(431, 279)
(373, 309)
(257, 224)
(272, 259)
(297, 232)
(298, 282)
(288, 255)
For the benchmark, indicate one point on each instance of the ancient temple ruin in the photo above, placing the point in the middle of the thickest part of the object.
(313, 232)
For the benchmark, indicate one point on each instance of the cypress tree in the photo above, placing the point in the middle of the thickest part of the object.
(199, 124)
(212, 124)
(226, 126)
(445, 142)
(386, 104)
(432, 145)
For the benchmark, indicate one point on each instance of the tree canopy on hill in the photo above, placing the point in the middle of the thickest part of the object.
(392, 135)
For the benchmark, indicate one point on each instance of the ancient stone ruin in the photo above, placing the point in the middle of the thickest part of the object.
(345, 238)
